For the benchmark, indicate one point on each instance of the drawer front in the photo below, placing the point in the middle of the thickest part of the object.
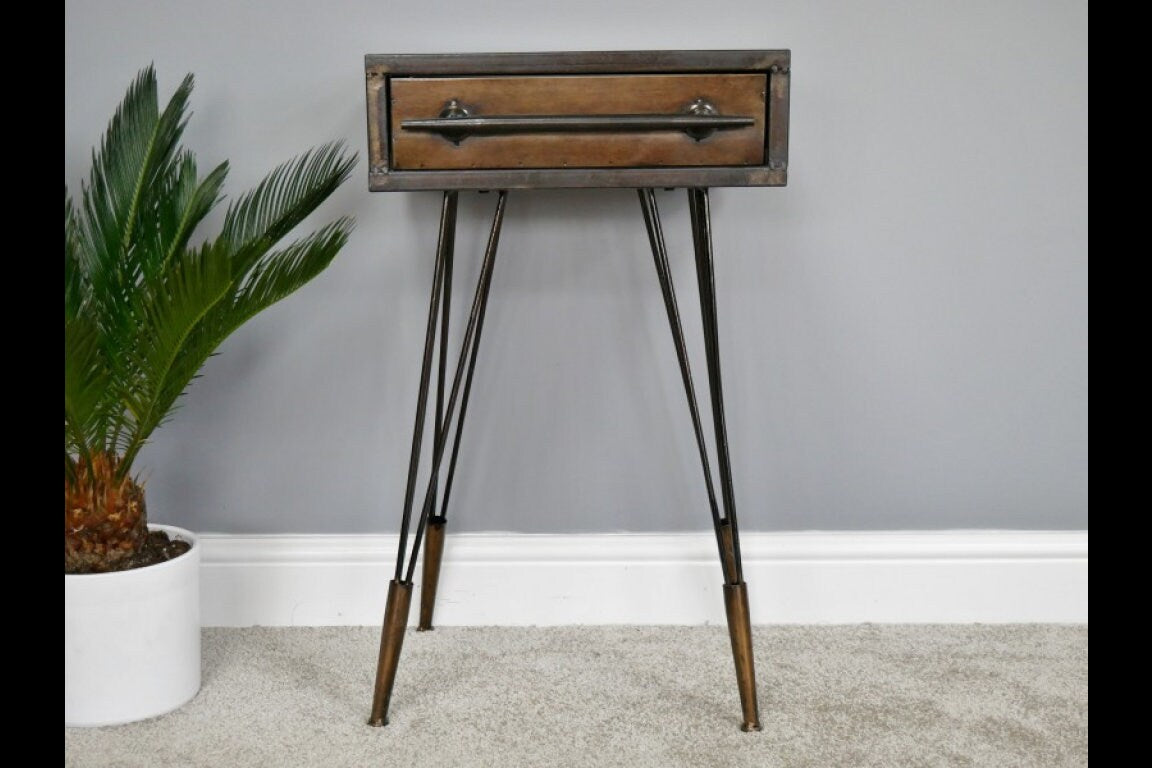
(577, 121)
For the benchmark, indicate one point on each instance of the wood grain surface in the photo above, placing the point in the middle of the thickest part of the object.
(742, 94)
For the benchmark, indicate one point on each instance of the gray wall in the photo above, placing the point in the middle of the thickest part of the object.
(904, 328)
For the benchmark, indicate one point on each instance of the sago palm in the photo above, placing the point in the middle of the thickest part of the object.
(147, 299)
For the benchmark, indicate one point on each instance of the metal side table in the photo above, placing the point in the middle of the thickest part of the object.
(642, 120)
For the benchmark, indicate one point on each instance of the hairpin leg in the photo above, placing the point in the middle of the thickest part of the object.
(735, 591)
(400, 590)
(434, 541)
(727, 536)
(434, 546)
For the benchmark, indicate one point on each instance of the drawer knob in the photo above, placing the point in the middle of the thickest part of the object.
(705, 108)
(453, 110)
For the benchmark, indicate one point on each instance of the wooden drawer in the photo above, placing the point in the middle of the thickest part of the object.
(631, 119)
(612, 121)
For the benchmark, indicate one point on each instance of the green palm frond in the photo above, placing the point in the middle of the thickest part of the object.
(181, 206)
(143, 309)
(136, 155)
(186, 292)
(262, 217)
(85, 383)
(281, 272)
(73, 274)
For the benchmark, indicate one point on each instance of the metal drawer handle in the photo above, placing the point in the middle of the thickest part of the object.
(455, 123)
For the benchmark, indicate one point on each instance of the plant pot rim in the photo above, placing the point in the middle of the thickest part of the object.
(182, 533)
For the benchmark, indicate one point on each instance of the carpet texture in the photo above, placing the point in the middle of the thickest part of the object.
(860, 696)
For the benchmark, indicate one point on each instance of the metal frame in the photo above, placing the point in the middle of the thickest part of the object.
(380, 69)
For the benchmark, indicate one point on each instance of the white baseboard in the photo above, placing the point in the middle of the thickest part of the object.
(794, 578)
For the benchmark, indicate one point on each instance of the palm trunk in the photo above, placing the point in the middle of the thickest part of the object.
(105, 520)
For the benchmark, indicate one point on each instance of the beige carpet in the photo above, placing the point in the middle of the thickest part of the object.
(1001, 696)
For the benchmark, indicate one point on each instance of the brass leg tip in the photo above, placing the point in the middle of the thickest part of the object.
(749, 727)
(378, 722)
(423, 628)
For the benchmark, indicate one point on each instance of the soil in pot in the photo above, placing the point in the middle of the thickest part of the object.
(158, 547)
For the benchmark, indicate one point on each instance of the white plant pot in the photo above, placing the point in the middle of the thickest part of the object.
(132, 640)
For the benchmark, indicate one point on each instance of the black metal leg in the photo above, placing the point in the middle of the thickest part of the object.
(400, 589)
(434, 546)
(735, 591)
(727, 534)
(446, 244)
(702, 238)
(660, 257)
(434, 539)
(467, 361)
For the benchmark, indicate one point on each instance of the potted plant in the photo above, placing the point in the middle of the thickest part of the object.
(146, 300)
